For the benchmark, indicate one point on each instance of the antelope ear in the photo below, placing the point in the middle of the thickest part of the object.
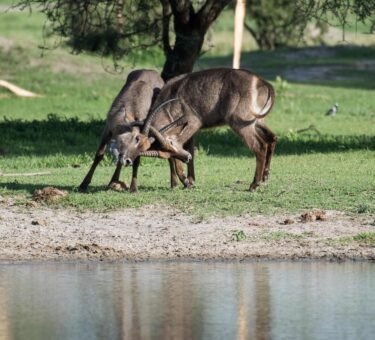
(151, 140)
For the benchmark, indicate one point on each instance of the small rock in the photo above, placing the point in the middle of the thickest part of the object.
(314, 215)
(239, 181)
(118, 186)
(48, 194)
(31, 204)
(39, 222)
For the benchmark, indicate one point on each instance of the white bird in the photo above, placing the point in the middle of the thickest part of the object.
(333, 110)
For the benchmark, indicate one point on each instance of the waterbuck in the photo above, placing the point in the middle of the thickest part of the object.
(205, 99)
(131, 106)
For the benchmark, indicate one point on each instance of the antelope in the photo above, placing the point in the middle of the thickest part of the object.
(130, 105)
(209, 98)
(128, 112)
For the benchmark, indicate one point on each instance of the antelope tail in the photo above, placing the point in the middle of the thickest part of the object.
(261, 112)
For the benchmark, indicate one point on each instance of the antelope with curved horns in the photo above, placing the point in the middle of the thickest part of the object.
(129, 107)
(205, 99)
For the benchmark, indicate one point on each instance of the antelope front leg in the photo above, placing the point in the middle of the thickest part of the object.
(98, 158)
(115, 182)
(133, 184)
(180, 173)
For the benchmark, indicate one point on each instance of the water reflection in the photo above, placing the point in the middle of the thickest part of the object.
(187, 301)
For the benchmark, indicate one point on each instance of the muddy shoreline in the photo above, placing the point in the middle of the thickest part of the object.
(39, 233)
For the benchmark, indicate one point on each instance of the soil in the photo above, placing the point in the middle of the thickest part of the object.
(38, 232)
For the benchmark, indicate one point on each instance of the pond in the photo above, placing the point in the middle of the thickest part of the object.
(187, 300)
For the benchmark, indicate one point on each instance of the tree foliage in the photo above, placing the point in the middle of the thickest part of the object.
(117, 27)
(341, 10)
(276, 23)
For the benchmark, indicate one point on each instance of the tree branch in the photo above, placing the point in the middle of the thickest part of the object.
(182, 10)
(210, 11)
(165, 25)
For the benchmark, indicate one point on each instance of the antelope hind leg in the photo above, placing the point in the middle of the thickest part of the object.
(191, 171)
(255, 143)
(172, 167)
(270, 139)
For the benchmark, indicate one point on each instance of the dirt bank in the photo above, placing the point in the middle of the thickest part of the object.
(42, 233)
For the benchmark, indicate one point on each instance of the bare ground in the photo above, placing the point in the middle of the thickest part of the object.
(154, 233)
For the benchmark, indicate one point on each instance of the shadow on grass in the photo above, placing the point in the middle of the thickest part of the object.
(71, 137)
(93, 189)
(68, 136)
(338, 66)
(225, 143)
(16, 186)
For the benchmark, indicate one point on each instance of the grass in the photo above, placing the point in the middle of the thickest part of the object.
(363, 238)
(331, 167)
(238, 235)
(280, 235)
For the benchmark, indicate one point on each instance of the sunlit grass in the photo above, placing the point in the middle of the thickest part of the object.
(330, 166)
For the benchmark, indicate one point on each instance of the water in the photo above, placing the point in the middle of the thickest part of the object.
(188, 301)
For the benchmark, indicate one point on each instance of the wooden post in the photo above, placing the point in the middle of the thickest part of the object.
(239, 18)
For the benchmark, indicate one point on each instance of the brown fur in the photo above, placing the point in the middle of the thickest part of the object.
(213, 97)
(131, 104)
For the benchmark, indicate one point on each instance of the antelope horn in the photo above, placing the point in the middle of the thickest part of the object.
(127, 127)
(164, 143)
(150, 153)
(179, 121)
(136, 123)
(156, 154)
(151, 116)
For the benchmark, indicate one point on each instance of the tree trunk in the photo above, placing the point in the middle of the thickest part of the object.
(190, 27)
(185, 52)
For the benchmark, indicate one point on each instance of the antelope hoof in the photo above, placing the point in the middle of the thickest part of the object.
(174, 184)
(82, 188)
(253, 187)
(188, 184)
(266, 177)
(133, 190)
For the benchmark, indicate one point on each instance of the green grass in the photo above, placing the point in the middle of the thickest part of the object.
(364, 239)
(281, 235)
(331, 167)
